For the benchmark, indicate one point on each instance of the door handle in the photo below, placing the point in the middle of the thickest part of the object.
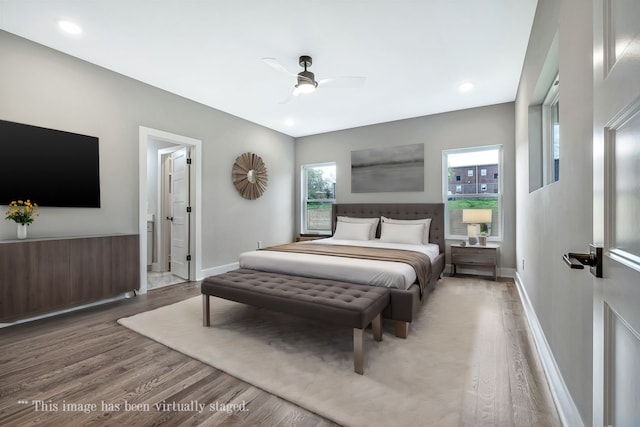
(170, 218)
(593, 259)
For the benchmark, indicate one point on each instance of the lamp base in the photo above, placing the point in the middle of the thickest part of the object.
(472, 233)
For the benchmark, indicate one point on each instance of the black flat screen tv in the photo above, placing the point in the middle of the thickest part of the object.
(49, 167)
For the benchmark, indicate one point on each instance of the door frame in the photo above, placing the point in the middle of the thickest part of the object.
(145, 136)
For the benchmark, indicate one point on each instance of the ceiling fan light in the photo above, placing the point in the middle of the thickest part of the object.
(306, 82)
(305, 87)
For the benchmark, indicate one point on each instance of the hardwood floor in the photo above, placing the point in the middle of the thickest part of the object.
(62, 365)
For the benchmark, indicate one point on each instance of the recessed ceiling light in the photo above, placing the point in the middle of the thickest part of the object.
(289, 122)
(465, 87)
(69, 27)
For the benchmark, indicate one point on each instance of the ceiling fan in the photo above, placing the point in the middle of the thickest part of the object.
(306, 80)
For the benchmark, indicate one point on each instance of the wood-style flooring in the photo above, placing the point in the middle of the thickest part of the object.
(52, 371)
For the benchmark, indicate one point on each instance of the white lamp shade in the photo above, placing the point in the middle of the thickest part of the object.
(476, 216)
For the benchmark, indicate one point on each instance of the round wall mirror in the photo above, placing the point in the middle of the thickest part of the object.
(249, 175)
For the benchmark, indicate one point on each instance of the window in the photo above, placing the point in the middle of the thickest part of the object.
(318, 195)
(483, 172)
(551, 133)
(481, 190)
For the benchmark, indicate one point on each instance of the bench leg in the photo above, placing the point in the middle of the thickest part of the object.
(206, 319)
(376, 324)
(358, 350)
(402, 329)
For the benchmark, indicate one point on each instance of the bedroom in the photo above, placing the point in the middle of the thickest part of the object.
(40, 85)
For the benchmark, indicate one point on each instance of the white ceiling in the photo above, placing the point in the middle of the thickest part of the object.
(413, 53)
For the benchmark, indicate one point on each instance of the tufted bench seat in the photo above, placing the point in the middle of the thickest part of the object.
(331, 301)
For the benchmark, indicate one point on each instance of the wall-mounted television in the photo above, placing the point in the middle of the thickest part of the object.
(49, 167)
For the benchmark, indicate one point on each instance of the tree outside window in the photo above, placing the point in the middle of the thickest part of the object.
(319, 194)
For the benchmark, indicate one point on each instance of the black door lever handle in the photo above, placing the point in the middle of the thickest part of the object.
(572, 261)
(593, 259)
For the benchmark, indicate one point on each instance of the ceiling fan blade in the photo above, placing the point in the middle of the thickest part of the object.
(344, 82)
(287, 99)
(273, 63)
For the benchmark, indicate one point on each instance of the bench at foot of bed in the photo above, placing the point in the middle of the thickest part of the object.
(402, 328)
(330, 301)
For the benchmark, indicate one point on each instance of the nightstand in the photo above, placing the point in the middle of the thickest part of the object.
(307, 237)
(475, 256)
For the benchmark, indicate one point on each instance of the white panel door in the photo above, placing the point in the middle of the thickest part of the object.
(179, 214)
(616, 197)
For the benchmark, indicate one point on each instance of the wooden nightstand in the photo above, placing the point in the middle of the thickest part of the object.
(475, 256)
(307, 237)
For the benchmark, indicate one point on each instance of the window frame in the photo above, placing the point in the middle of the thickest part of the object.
(498, 237)
(304, 199)
(551, 102)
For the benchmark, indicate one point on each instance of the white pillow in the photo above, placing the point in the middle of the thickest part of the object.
(372, 221)
(352, 231)
(425, 221)
(402, 233)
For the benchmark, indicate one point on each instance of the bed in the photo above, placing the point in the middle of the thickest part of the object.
(409, 284)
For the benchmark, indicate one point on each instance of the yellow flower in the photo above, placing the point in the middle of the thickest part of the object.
(22, 212)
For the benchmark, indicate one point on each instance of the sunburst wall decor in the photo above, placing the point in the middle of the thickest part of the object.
(249, 175)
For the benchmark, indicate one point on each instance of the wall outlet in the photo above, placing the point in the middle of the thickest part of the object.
(522, 264)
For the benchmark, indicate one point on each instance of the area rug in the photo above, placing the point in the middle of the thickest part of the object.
(407, 382)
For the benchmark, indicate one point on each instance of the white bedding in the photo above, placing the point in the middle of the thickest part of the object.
(366, 272)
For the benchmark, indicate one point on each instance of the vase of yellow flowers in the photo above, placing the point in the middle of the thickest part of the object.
(23, 213)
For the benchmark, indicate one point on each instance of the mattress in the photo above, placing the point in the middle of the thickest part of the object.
(361, 271)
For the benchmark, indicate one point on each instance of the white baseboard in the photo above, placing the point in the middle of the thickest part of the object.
(214, 271)
(565, 405)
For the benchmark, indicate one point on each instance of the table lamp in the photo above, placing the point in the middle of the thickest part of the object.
(473, 218)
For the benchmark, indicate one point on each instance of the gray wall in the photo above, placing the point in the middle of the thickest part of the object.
(458, 129)
(557, 218)
(46, 88)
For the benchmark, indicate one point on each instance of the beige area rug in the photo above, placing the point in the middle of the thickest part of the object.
(414, 382)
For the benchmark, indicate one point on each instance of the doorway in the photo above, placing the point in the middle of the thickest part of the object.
(169, 208)
(168, 235)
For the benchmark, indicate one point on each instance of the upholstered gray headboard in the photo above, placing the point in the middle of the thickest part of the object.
(396, 211)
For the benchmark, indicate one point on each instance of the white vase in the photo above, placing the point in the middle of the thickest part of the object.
(22, 231)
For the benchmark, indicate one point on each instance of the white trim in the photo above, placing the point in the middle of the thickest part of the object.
(303, 194)
(551, 99)
(214, 271)
(565, 405)
(498, 196)
(146, 134)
